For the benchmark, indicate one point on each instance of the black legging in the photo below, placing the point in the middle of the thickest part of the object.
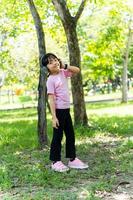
(65, 124)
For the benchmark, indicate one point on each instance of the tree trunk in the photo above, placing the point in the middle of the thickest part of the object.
(42, 123)
(125, 69)
(80, 116)
(69, 24)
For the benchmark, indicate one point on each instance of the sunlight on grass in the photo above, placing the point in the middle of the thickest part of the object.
(10, 120)
(106, 146)
(114, 110)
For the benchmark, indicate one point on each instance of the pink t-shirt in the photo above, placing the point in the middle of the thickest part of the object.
(58, 85)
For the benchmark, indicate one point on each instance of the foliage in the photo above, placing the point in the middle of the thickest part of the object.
(102, 31)
(104, 40)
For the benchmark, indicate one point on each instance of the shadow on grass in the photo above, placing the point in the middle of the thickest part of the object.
(31, 166)
(18, 135)
(22, 165)
(30, 169)
(115, 125)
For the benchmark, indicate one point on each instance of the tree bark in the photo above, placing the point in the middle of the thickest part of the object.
(125, 69)
(42, 123)
(69, 24)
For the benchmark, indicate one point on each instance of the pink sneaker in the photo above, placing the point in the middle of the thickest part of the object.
(59, 167)
(77, 164)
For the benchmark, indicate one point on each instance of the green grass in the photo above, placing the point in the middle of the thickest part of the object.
(107, 146)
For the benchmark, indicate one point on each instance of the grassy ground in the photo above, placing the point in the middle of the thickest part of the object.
(107, 147)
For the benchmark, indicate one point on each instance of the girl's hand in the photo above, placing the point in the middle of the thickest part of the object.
(61, 64)
(55, 122)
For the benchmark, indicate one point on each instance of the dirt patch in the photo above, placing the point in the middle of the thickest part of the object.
(122, 191)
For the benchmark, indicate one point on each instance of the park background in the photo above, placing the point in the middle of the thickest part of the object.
(105, 38)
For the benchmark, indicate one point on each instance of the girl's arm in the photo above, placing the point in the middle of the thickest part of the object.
(73, 69)
(55, 121)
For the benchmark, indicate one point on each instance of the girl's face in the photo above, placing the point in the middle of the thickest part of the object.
(53, 65)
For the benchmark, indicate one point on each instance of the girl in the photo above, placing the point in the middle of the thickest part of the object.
(58, 93)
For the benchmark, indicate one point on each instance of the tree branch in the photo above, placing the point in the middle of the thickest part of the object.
(62, 9)
(80, 10)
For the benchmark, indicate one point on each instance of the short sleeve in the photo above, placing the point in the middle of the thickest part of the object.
(50, 87)
(67, 73)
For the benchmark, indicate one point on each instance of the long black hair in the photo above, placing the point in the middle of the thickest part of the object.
(46, 57)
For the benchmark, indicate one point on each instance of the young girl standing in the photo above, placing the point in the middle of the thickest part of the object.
(59, 100)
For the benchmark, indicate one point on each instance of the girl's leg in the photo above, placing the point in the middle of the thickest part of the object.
(55, 151)
(70, 136)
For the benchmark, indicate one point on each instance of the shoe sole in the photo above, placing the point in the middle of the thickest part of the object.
(79, 167)
(66, 170)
